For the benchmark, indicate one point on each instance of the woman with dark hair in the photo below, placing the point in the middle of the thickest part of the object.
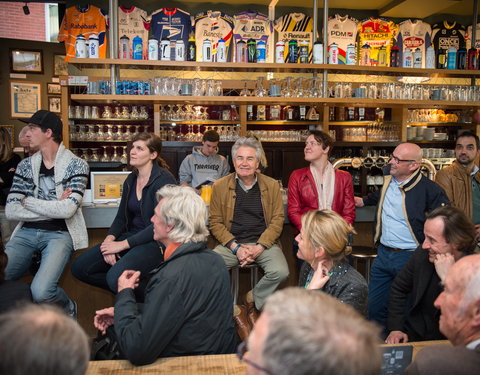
(8, 164)
(11, 292)
(129, 244)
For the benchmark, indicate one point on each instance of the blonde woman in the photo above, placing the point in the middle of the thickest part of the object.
(323, 243)
(8, 164)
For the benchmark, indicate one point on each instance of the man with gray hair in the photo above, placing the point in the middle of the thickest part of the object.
(306, 333)
(459, 304)
(41, 340)
(246, 219)
(188, 306)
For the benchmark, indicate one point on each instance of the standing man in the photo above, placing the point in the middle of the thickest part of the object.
(449, 235)
(406, 196)
(246, 218)
(461, 180)
(46, 198)
(203, 166)
(459, 304)
(188, 305)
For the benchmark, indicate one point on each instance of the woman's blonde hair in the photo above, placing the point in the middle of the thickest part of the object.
(329, 230)
(6, 151)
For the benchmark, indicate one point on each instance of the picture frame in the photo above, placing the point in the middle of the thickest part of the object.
(25, 98)
(107, 187)
(60, 67)
(54, 89)
(55, 104)
(26, 61)
(11, 131)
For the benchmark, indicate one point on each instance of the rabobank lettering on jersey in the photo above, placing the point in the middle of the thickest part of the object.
(83, 26)
(213, 167)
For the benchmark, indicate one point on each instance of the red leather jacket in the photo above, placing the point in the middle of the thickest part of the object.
(303, 196)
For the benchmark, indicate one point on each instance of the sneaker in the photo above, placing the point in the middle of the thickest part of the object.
(73, 310)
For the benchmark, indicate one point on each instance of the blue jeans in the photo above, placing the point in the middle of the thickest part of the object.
(91, 268)
(55, 248)
(385, 268)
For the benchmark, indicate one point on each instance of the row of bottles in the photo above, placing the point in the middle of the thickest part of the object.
(278, 112)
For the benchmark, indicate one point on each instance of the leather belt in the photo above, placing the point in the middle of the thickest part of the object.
(395, 250)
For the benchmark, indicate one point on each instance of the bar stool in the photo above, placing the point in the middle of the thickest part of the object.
(365, 253)
(235, 279)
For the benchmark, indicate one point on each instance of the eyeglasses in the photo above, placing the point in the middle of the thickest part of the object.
(241, 350)
(312, 144)
(398, 161)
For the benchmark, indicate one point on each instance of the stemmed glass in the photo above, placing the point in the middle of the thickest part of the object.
(259, 89)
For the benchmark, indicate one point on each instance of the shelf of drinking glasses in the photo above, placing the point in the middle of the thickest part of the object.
(238, 100)
(370, 143)
(101, 119)
(285, 122)
(360, 123)
(199, 122)
(440, 124)
(267, 67)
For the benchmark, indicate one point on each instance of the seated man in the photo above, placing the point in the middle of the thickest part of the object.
(459, 304)
(305, 333)
(42, 340)
(203, 166)
(188, 306)
(246, 218)
(449, 235)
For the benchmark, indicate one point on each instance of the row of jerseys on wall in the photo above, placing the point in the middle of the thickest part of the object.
(174, 24)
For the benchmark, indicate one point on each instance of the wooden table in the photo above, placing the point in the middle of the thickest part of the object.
(203, 365)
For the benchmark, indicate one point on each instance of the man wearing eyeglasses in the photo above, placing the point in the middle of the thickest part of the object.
(304, 333)
(402, 202)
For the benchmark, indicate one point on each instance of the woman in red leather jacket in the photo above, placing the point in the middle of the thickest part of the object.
(319, 186)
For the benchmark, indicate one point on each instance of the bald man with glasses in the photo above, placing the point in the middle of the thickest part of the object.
(406, 196)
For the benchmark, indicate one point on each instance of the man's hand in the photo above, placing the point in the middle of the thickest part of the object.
(320, 276)
(110, 259)
(103, 319)
(113, 247)
(128, 279)
(396, 337)
(66, 193)
(243, 256)
(109, 238)
(359, 202)
(442, 263)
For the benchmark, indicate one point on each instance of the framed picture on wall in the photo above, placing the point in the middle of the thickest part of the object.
(54, 104)
(25, 98)
(26, 61)
(11, 130)
(53, 89)
(59, 66)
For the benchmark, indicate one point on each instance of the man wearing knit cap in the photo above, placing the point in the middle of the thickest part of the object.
(45, 198)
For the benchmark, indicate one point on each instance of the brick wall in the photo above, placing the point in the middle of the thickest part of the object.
(16, 25)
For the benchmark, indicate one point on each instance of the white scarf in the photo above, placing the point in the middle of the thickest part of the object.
(325, 188)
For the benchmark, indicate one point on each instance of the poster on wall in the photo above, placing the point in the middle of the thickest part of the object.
(54, 104)
(22, 61)
(60, 67)
(25, 98)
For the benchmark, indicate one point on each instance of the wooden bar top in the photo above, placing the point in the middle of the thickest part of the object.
(202, 365)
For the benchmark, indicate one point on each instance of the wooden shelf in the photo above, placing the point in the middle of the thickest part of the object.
(440, 124)
(285, 122)
(238, 100)
(268, 67)
(112, 119)
(200, 122)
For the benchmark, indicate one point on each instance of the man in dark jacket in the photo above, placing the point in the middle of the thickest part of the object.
(449, 235)
(188, 307)
(402, 202)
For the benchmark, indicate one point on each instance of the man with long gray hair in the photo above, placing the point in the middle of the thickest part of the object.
(41, 340)
(306, 333)
(188, 305)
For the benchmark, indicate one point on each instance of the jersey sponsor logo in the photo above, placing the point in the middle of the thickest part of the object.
(341, 34)
(448, 42)
(253, 29)
(206, 166)
(413, 42)
(212, 34)
(83, 26)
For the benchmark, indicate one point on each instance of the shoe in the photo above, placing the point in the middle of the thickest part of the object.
(241, 321)
(252, 312)
(73, 311)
